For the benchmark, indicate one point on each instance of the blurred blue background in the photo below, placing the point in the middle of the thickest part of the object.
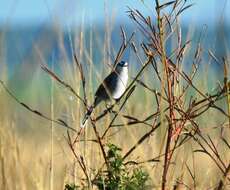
(26, 23)
(53, 25)
(71, 12)
(44, 31)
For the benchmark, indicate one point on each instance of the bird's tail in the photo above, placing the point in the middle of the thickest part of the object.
(87, 115)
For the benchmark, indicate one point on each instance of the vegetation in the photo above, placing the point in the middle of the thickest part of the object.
(172, 129)
(118, 175)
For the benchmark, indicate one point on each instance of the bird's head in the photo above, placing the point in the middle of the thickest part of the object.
(122, 64)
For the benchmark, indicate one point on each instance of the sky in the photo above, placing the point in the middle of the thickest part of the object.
(74, 12)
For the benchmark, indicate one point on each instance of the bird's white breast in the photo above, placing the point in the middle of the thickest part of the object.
(121, 83)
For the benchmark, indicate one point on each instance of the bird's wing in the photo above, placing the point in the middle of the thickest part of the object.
(105, 90)
(111, 81)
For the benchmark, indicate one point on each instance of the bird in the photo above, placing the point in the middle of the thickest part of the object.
(112, 87)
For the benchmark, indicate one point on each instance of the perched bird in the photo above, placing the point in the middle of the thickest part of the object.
(112, 87)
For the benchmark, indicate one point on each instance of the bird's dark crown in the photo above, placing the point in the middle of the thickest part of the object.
(122, 64)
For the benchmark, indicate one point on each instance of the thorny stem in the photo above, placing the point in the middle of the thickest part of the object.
(99, 139)
(170, 95)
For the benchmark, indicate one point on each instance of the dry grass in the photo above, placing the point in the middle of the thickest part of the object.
(35, 148)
